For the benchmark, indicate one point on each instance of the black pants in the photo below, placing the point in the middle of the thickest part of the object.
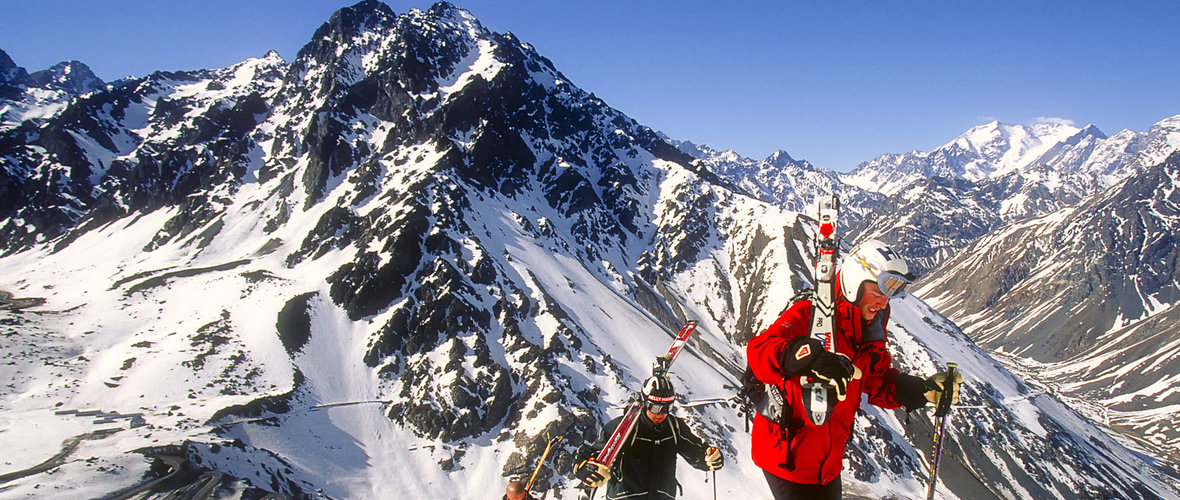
(786, 490)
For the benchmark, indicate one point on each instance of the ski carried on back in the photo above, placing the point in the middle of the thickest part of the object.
(664, 362)
(622, 432)
(817, 400)
(614, 445)
(818, 397)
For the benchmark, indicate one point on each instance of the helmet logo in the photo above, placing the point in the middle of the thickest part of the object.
(803, 352)
(888, 253)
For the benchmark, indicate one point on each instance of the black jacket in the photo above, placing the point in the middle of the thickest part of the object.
(646, 466)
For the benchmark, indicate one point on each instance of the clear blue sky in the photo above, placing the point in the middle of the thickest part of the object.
(833, 82)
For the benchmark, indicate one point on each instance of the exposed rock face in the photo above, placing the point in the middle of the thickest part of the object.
(71, 76)
(10, 73)
(427, 218)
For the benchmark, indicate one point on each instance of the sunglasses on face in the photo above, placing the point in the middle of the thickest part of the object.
(659, 408)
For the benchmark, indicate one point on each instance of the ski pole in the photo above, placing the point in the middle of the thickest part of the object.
(548, 445)
(714, 471)
(941, 414)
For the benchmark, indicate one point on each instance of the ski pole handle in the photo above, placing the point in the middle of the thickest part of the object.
(940, 418)
(944, 402)
(714, 471)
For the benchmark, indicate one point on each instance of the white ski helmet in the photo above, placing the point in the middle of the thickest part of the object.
(876, 262)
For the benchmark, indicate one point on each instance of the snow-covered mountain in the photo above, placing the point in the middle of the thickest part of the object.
(1003, 257)
(993, 175)
(1086, 298)
(412, 253)
(784, 181)
(982, 153)
(26, 97)
(70, 76)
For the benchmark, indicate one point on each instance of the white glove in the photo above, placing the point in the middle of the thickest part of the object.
(713, 459)
(938, 386)
(593, 474)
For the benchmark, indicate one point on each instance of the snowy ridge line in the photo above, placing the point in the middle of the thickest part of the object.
(464, 275)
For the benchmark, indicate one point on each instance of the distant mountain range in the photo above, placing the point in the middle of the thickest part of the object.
(1086, 298)
(418, 248)
(998, 174)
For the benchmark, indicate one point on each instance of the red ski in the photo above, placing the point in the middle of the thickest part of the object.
(615, 443)
(664, 362)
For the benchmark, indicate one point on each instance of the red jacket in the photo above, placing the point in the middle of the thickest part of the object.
(817, 452)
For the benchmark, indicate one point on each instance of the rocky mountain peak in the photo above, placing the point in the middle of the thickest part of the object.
(347, 26)
(348, 22)
(780, 159)
(1167, 131)
(1090, 131)
(1170, 123)
(71, 76)
(1159, 142)
(407, 54)
(450, 11)
(9, 71)
(997, 148)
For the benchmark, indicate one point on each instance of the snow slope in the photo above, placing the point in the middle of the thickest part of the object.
(414, 252)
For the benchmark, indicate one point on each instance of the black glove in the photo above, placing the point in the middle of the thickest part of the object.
(807, 356)
(831, 366)
(799, 355)
(837, 370)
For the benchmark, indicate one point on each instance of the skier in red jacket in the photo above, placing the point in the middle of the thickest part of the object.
(802, 460)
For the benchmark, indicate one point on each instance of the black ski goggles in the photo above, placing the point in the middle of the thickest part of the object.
(659, 406)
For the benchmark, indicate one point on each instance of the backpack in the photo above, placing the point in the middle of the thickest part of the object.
(757, 396)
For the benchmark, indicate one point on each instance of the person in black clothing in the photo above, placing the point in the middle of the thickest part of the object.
(646, 466)
(516, 491)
